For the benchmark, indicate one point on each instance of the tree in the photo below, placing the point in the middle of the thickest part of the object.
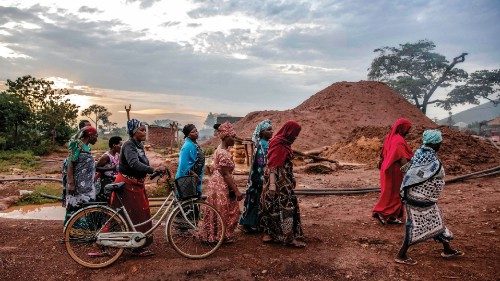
(416, 72)
(481, 84)
(43, 113)
(97, 113)
(13, 115)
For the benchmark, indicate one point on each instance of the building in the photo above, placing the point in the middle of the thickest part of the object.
(162, 137)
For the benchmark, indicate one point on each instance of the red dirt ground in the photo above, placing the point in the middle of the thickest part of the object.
(344, 243)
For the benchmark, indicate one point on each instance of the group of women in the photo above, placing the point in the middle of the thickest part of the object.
(270, 206)
(413, 182)
(410, 183)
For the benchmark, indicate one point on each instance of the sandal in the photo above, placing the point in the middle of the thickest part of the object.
(456, 253)
(395, 221)
(267, 238)
(297, 244)
(380, 219)
(407, 261)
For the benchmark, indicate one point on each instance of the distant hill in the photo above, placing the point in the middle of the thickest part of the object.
(479, 113)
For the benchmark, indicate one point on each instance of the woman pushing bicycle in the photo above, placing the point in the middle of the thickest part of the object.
(132, 170)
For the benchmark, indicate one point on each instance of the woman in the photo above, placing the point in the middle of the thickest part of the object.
(280, 214)
(80, 171)
(222, 192)
(420, 191)
(133, 168)
(250, 218)
(191, 157)
(107, 166)
(395, 153)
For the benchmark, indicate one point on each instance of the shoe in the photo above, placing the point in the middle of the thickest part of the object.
(407, 261)
(456, 253)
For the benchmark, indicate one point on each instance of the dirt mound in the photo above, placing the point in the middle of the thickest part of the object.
(460, 153)
(331, 114)
(352, 118)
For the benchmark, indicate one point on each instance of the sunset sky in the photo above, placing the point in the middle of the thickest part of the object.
(182, 59)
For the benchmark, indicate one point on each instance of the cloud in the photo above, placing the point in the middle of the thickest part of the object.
(86, 9)
(246, 55)
(144, 4)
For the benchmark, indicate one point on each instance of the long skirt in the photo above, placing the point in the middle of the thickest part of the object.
(280, 214)
(135, 200)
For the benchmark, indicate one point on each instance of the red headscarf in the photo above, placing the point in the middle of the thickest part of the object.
(280, 148)
(395, 147)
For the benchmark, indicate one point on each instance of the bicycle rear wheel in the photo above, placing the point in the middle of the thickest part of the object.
(197, 233)
(80, 236)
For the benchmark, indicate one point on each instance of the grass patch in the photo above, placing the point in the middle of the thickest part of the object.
(36, 197)
(24, 160)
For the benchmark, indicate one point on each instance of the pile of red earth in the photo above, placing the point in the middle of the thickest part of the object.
(359, 114)
(331, 114)
(460, 153)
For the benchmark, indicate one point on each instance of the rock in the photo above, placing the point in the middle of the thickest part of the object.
(316, 205)
(264, 271)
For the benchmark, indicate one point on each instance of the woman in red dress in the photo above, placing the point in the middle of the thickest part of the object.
(395, 153)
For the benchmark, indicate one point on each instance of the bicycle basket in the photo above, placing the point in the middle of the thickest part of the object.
(186, 187)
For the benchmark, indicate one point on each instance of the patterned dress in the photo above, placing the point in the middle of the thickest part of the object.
(280, 214)
(420, 191)
(84, 172)
(217, 193)
(250, 216)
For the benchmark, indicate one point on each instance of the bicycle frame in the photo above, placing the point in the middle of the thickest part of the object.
(167, 211)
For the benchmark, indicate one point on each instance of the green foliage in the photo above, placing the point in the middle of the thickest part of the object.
(97, 113)
(36, 197)
(24, 160)
(481, 84)
(32, 114)
(416, 72)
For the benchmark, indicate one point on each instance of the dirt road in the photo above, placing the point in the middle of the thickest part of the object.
(344, 243)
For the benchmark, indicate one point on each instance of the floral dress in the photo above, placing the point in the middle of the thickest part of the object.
(218, 195)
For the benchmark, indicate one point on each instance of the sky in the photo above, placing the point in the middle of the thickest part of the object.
(180, 59)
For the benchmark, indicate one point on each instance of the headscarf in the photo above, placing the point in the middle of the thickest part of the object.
(87, 131)
(187, 129)
(260, 127)
(75, 146)
(400, 127)
(280, 147)
(395, 146)
(432, 137)
(225, 130)
(133, 125)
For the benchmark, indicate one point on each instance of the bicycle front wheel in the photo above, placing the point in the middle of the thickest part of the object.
(80, 236)
(195, 229)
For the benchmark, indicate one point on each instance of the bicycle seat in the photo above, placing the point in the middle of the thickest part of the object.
(118, 186)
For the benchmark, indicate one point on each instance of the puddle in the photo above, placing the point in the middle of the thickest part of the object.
(35, 212)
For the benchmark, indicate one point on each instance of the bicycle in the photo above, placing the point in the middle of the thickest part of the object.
(97, 235)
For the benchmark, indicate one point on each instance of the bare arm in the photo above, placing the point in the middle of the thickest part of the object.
(229, 180)
(102, 162)
(70, 185)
